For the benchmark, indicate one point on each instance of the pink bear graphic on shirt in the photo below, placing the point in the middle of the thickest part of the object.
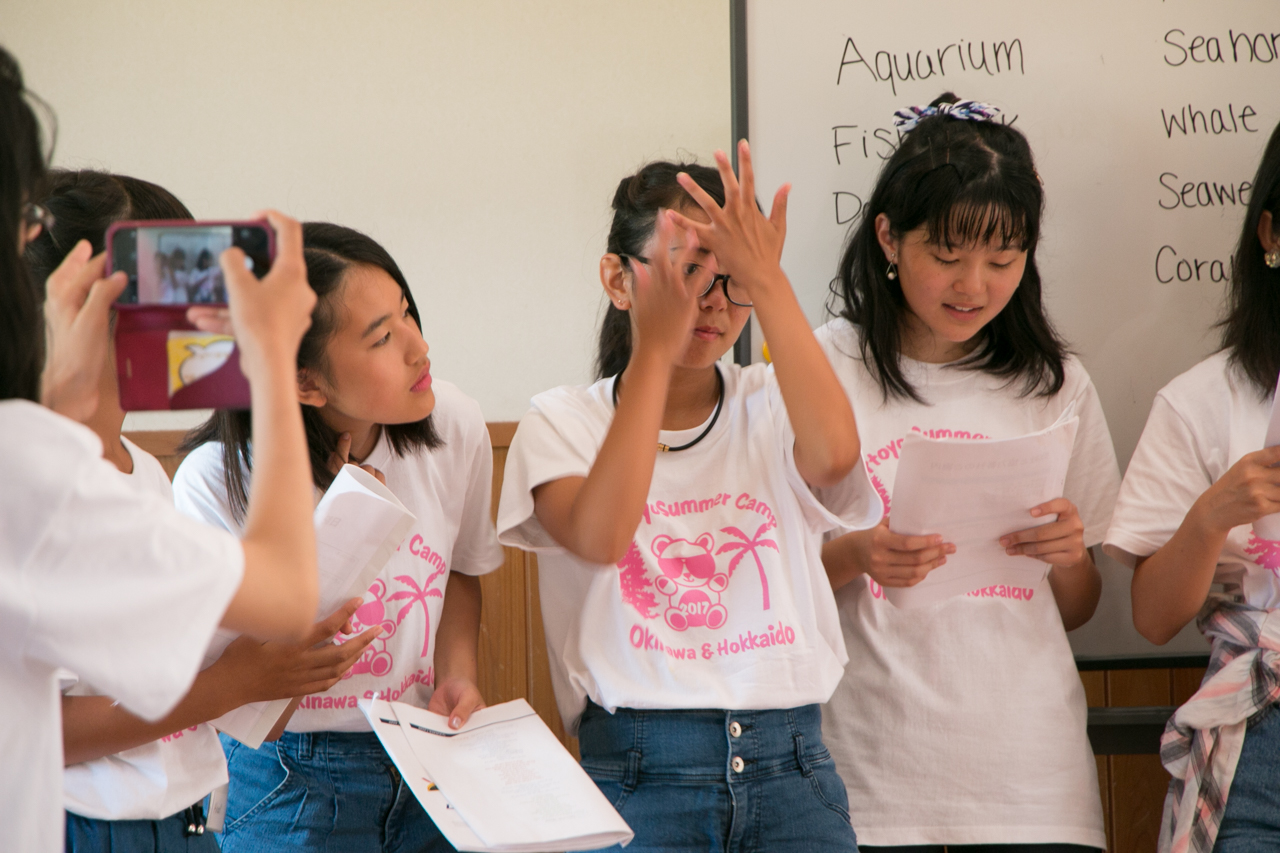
(375, 659)
(690, 581)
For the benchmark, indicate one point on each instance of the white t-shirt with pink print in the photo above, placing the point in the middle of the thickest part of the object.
(1200, 425)
(449, 490)
(721, 600)
(964, 722)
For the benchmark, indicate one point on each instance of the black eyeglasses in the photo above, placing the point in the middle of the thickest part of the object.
(734, 292)
(36, 214)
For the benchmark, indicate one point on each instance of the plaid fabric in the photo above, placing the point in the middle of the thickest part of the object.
(1202, 741)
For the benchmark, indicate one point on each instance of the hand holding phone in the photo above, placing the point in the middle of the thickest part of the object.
(174, 345)
(271, 316)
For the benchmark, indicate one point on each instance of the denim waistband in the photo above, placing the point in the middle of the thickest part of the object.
(306, 745)
(698, 745)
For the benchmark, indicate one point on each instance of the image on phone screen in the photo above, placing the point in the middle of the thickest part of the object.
(177, 265)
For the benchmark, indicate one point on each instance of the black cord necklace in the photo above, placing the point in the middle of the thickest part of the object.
(715, 416)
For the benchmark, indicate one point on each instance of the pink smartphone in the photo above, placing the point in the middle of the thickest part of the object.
(163, 361)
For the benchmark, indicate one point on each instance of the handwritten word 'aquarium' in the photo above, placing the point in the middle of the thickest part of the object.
(962, 56)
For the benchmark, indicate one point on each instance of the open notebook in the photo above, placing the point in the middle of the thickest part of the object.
(502, 782)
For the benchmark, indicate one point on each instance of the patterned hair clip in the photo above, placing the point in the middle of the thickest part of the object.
(907, 118)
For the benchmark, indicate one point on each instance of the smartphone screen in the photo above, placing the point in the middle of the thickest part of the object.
(177, 264)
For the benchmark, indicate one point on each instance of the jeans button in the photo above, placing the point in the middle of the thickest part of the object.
(735, 728)
(737, 764)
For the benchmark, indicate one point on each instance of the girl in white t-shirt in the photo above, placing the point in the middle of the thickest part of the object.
(962, 722)
(96, 576)
(677, 511)
(367, 396)
(129, 782)
(1193, 490)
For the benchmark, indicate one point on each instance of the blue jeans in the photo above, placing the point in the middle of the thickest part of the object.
(1252, 819)
(322, 791)
(719, 781)
(90, 835)
(983, 848)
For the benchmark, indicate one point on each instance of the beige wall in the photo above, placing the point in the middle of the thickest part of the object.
(479, 141)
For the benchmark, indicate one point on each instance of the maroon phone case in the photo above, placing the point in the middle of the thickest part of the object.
(142, 365)
(142, 347)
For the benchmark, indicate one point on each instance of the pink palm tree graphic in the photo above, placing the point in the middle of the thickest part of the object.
(749, 545)
(418, 595)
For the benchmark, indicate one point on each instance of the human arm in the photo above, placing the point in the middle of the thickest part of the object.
(1074, 579)
(890, 559)
(1171, 585)
(248, 671)
(278, 593)
(749, 248)
(456, 694)
(595, 517)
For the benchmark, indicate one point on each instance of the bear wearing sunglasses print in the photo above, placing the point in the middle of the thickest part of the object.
(690, 581)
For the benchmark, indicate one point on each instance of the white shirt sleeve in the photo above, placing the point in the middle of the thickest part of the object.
(1093, 476)
(852, 504)
(1166, 475)
(200, 491)
(123, 590)
(476, 550)
(540, 453)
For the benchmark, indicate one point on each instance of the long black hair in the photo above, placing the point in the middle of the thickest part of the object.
(636, 204)
(330, 251)
(966, 182)
(22, 169)
(84, 204)
(1251, 325)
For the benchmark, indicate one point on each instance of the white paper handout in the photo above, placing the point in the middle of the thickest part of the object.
(1268, 527)
(972, 492)
(505, 782)
(359, 525)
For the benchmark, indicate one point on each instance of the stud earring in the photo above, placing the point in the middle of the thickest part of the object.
(1272, 258)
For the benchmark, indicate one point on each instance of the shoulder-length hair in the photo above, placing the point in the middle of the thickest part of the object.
(330, 251)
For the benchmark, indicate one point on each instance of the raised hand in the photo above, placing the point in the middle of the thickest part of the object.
(664, 302)
(77, 311)
(747, 246)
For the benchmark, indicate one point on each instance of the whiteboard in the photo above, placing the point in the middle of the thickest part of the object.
(1147, 120)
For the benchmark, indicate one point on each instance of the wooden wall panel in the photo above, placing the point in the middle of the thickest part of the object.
(1128, 688)
(1185, 683)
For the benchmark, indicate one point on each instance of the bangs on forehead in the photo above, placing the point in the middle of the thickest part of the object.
(976, 224)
